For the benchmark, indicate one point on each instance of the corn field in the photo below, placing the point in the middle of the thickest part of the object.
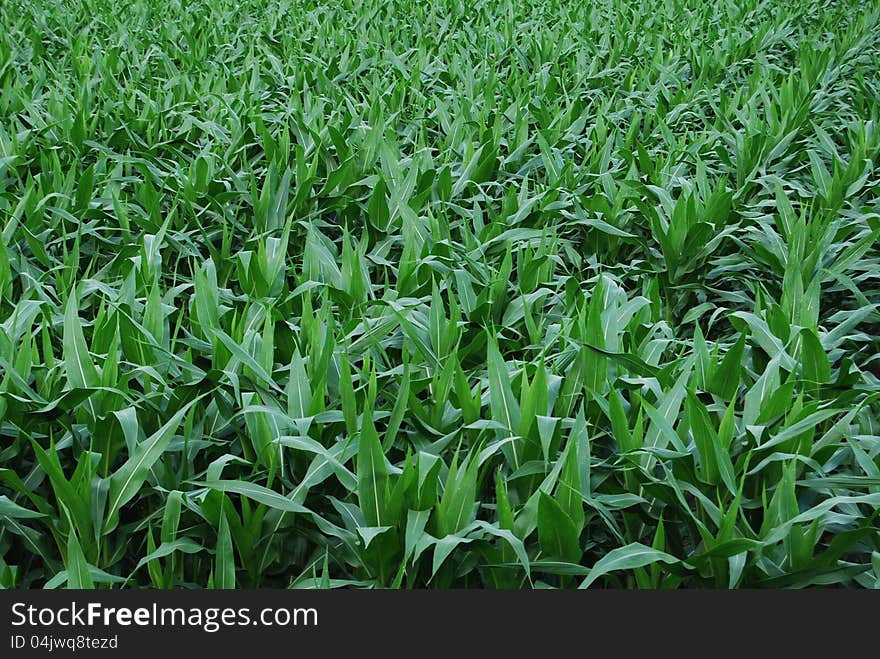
(410, 294)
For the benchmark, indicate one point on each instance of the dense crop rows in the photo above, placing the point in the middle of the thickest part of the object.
(439, 293)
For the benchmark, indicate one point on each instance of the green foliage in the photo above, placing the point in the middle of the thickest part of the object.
(439, 294)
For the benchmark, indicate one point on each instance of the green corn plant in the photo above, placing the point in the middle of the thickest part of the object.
(598, 308)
